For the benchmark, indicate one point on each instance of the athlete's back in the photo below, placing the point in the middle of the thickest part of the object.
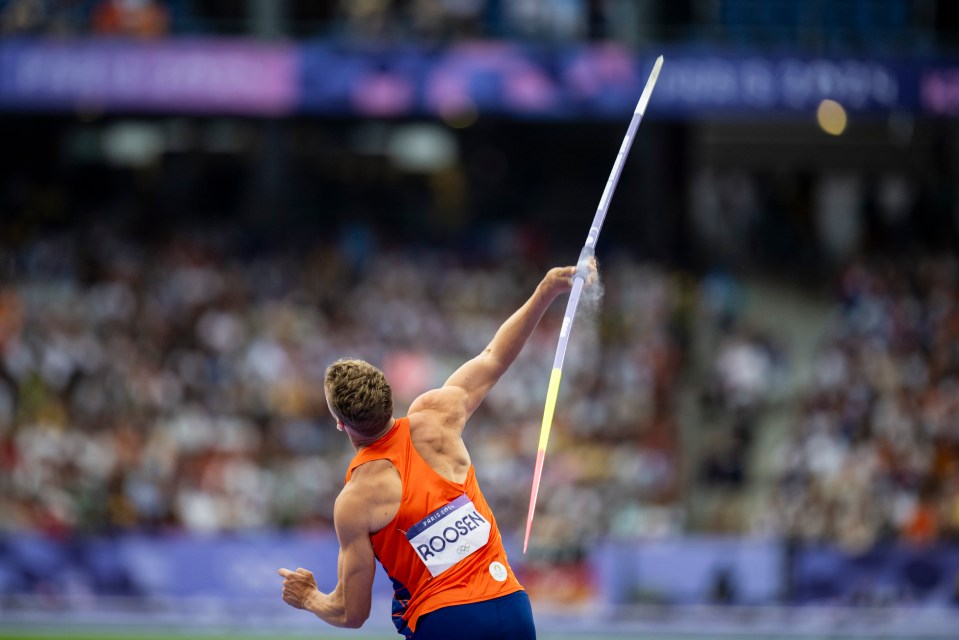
(442, 548)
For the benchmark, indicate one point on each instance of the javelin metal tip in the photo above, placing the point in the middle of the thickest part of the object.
(648, 89)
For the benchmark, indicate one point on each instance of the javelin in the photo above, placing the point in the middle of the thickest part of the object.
(579, 279)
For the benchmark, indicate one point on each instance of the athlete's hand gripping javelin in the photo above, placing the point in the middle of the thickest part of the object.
(565, 277)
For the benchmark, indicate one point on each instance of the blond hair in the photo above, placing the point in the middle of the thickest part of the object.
(359, 395)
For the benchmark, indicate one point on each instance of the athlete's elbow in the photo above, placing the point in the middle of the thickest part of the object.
(496, 361)
(354, 617)
(355, 621)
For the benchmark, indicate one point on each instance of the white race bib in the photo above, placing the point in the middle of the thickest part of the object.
(449, 534)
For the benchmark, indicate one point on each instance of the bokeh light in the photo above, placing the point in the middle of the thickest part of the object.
(831, 117)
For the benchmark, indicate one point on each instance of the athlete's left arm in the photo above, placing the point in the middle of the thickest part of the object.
(348, 604)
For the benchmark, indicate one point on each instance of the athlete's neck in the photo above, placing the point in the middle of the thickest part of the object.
(359, 440)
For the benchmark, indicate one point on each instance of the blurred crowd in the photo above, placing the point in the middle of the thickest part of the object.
(563, 20)
(813, 223)
(177, 385)
(857, 23)
(874, 454)
(123, 18)
(363, 20)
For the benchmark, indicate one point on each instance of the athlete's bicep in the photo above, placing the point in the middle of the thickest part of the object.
(356, 564)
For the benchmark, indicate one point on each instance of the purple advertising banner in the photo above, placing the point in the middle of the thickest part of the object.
(595, 81)
(235, 77)
(784, 84)
(691, 570)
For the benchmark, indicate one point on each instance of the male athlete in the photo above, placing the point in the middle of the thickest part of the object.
(411, 500)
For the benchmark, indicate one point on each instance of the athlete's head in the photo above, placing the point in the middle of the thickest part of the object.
(359, 396)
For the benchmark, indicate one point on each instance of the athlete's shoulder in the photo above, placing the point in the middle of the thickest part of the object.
(430, 401)
(372, 495)
(367, 478)
(441, 407)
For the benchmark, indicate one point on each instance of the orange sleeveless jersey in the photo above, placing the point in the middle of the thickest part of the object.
(443, 548)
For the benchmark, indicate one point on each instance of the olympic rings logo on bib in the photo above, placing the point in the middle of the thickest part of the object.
(449, 534)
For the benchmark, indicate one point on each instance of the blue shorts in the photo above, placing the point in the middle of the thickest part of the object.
(506, 618)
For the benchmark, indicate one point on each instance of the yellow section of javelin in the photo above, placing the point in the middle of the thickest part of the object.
(551, 394)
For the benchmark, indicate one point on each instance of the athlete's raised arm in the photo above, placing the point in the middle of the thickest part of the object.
(348, 604)
(465, 389)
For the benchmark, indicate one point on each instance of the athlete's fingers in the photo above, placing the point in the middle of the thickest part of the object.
(593, 271)
(286, 573)
(292, 599)
(304, 572)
